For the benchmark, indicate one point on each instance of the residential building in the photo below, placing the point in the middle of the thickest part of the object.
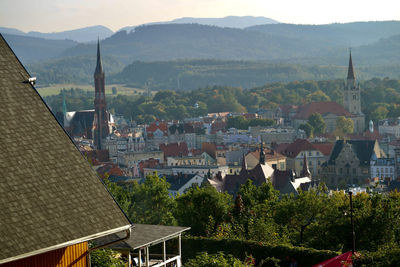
(317, 154)
(390, 126)
(182, 182)
(383, 168)
(129, 159)
(272, 158)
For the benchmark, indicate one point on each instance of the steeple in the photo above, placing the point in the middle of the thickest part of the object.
(244, 163)
(262, 154)
(99, 65)
(64, 108)
(305, 172)
(101, 117)
(350, 71)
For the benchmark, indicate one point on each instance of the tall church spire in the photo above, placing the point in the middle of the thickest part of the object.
(350, 71)
(99, 65)
(102, 130)
(262, 154)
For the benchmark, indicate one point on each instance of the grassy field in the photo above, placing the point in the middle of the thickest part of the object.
(121, 90)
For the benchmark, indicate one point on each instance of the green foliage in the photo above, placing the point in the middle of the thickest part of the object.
(204, 259)
(240, 122)
(259, 250)
(344, 126)
(201, 205)
(151, 203)
(317, 122)
(105, 258)
(308, 129)
(389, 257)
(379, 98)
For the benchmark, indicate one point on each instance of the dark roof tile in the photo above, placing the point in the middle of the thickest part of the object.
(50, 194)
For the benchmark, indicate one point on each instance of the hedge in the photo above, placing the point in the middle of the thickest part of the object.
(191, 246)
(384, 258)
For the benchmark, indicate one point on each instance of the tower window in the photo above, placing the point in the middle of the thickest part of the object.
(354, 97)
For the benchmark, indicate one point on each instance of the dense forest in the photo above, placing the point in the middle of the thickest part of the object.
(183, 75)
(380, 99)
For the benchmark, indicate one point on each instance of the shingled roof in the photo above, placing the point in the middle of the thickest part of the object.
(50, 196)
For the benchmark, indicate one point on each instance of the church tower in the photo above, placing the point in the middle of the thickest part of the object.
(352, 98)
(351, 94)
(101, 129)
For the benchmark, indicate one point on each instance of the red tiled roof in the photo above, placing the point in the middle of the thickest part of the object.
(174, 149)
(324, 148)
(293, 149)
(148, 163)
(322, 108)
(285, 109)
(269, 154)
(110, 169)
(157, 125)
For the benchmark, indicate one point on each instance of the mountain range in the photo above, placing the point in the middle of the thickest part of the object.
(375, 49)
(92, 33)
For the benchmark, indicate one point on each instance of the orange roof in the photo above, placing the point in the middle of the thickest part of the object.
(174, 149)
(157, 125)
(293, 149)
(269, 154)
(322, 108)
(324, 148)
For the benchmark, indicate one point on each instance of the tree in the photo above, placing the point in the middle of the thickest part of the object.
(151, 203)
(344, 126)
(306, 127)
(105, 258)
(215, 260)
(198, 204)
(317, 122)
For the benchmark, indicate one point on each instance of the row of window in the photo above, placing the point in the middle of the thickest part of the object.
(310, 153)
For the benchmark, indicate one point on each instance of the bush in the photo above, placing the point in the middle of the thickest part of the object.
(239, 249)
(217, 260)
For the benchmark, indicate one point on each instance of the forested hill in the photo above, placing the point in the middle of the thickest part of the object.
(193, 74)
(348, 34)
(274, 42)
(183, 41)
(32, 49)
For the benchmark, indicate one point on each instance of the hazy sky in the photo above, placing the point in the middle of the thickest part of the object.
(59, 15)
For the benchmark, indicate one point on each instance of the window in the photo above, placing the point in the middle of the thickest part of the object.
(319, 162)
(309, 153)
(354, 97)
(282, 166)
(310, 163)
(317, 153)
(354, 171)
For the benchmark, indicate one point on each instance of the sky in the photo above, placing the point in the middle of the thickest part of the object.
(60, 15)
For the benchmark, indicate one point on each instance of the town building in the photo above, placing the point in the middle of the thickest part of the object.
(316, 153)
(383, 168)
(350, 162)
(181, 182)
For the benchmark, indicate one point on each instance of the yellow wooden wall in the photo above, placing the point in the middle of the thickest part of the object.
(72, 256)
